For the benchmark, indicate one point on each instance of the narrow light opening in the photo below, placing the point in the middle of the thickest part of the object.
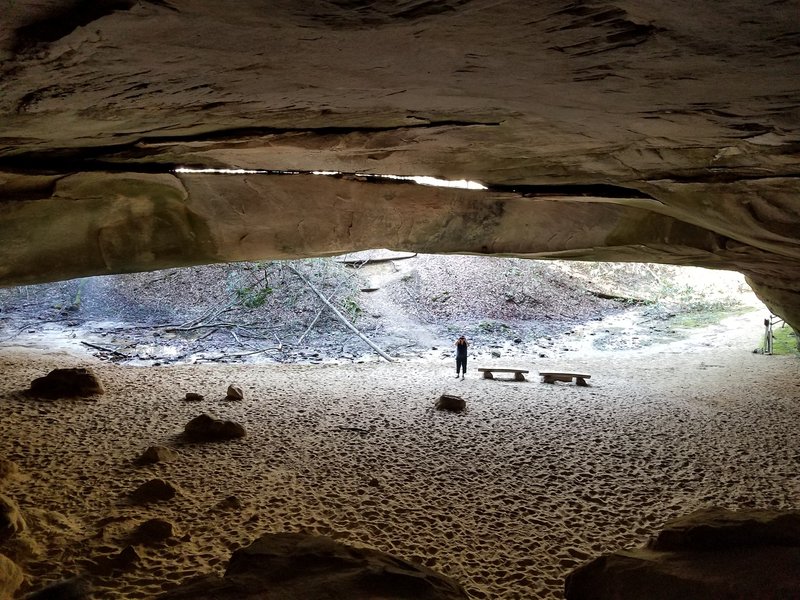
(418, 179)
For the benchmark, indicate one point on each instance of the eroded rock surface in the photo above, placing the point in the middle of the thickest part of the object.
(293, 565)
(663, 132)
(709, 554)
(11, 577)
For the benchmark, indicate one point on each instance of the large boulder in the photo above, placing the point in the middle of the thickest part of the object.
(289, 566)
(66, 383)
(752, 555)
(11, 577)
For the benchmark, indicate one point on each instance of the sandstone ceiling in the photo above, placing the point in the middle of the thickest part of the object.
(649, 130)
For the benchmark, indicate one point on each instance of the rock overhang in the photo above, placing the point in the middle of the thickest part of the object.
(559, 108)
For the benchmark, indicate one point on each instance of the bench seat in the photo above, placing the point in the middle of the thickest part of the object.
(553, 376)
(519, 374)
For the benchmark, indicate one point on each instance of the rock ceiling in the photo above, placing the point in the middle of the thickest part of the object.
(649, 130)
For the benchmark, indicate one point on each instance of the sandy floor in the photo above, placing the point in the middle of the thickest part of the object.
(507, 498)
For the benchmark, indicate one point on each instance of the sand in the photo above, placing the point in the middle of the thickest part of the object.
(506, 498)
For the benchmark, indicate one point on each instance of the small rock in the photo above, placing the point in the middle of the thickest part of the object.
(66, 383)
(517, 340)
(124, 560)
(127, 558)
(193, 397)
(157, 454)
(154, 531)
(11, 521)
(495, 354)
(8, 470)
(235, 393)
(452, 403)
(374, 482)
(205, 428)
(229, 503)
(153, 491)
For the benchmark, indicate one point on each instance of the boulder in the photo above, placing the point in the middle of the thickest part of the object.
(154, 531)
(451, 403)
(11, 577)
(155, 490)
(715, 528)
(66, 383)
(295, 565)
(235, 393)
(11, 521)
(710, 554)
(156, 454)
(205, 428)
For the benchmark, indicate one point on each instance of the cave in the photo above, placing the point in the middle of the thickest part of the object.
(595, 130)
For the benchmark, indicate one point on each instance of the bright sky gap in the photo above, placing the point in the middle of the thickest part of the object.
(420, 179)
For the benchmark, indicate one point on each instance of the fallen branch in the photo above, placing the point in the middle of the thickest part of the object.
(316, 318)
(340, 316)
(111, 350)
(627, 299)
(204, 326)
(356, 429)
(240, 354)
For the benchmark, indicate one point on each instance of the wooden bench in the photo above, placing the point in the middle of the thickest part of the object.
(580, 378)
(518, 373)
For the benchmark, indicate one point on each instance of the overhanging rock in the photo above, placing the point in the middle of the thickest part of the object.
(558, 108)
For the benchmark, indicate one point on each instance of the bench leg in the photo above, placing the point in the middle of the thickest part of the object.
(548, 379)
(581, 382)
(519, 377)
(488, 375)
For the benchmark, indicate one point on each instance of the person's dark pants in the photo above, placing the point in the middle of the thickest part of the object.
(461, 364)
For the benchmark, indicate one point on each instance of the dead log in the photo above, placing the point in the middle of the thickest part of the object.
(340, 316)
(111, 350)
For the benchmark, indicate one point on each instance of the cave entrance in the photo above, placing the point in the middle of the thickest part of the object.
(525, 312)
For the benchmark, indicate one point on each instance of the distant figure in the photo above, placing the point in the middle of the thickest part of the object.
(461, 356)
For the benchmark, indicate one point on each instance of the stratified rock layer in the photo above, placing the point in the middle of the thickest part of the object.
(290, 565)
(709, 554)
(663, 132)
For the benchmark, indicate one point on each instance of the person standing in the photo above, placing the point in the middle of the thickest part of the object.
(461, 356)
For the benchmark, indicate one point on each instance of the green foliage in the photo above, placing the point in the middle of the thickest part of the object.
(252, 297)
(352, 307)
(493, 327)
(703, 317)
(784, 340)
(76, 301)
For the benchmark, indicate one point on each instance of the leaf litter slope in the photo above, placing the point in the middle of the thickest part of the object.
(263, 311)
